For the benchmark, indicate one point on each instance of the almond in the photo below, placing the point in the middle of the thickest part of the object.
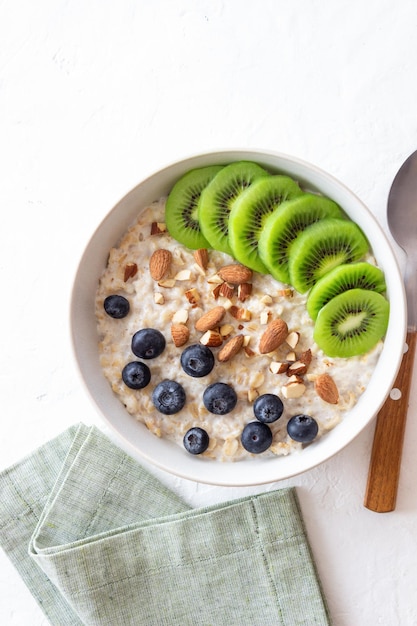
(305, 357)
(211, 319)
(293, 339)
(230, 348)
(201, 257)
(212, 339)
(293, 390)
(226, 290)
(298, 368)
(275, 334)
(130, 271)
(159, 263)
(278, 367)
(235, 274)
(244, 290)
(180, 334)
(241, 314)
(158, 228)
(192, 295)
(326, 388)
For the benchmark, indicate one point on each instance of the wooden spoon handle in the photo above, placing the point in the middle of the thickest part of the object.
(384, 469)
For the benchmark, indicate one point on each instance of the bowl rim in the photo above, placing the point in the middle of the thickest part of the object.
(170, 457)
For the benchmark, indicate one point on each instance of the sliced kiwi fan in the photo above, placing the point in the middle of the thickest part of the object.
(270, 224)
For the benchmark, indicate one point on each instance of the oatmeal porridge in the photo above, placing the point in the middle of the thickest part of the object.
(171, 294)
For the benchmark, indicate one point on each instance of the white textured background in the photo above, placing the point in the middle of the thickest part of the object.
(97, 94)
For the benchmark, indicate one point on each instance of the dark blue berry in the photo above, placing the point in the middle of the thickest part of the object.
(148, 343)
(256, 437)
(268, 408)
(116, 306)
(136, 375)
(302, 428)
(168, 397)
(219, 398)
(197, 360)
(196, 440)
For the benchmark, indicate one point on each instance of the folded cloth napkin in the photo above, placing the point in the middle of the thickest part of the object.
(100, 541)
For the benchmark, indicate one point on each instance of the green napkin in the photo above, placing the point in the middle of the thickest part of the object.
(100, 541)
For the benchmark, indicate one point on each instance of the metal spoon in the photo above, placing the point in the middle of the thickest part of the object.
(384, 470)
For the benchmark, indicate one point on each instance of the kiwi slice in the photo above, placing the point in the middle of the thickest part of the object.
(250, 212)
(323, 246)
(351, 323)
(218, 198)
(361, 275)
(181, 208)
(282, 227)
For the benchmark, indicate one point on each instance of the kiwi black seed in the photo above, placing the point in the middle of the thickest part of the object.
(219, 197)
(323, 246)
(283, 227)
(351, 323)
(360, 275)
(181, 209)
(250, 213)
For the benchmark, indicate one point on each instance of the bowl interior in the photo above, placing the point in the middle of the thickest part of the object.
(167, 455)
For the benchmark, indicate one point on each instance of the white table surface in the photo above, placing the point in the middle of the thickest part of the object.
(95, 95)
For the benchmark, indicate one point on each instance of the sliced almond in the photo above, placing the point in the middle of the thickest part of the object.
(159, 263)
(168, 283)
(226, 330)
(298, 368)
(201, 257)
(158, 298)
(192, 295)
(248, 352)
(244, 315)
(264, 317)
(215, 280)
(183, 275)
(285, 293)
(211, 319)
(273, 336)
(211, 339)
(244, 290)
(230, 348)
(293, 390)
(291, 356)
(180, 334)
(180, 317)
(293, 339)
(158, 228)
(216, 291)
(326, 388)
(306, 357)
(235, 274)
(278, 367)
(226, 290)
(130, 271)
(266, 299)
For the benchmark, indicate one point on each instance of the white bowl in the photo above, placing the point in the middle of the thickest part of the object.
(170, 456)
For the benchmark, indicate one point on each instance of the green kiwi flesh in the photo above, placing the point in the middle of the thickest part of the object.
(218, 198)
(351, 323)
(181, 209)
(322, 247)
(360, 275)
(282, 228)
(250, 212)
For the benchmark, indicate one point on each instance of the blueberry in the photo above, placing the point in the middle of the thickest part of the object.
(136, 375)
(302, 428)
(268, 408)
(148, 343)
(116, 306)
(219, 398)
(256, 437)
(197, 360)
(168, 397)
(196, 440)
